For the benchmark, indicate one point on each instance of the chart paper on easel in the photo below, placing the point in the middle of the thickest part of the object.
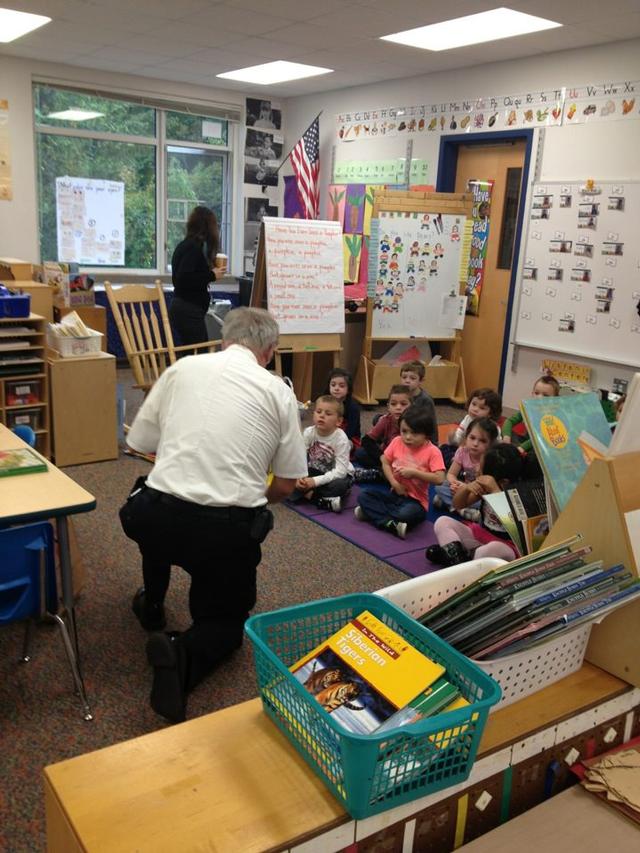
(304, 265)
(418, 263)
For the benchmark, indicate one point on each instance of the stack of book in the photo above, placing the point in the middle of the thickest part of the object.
(522, 510)
(530, 600)
(371, 679)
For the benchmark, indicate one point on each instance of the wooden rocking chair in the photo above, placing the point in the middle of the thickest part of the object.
(146, 337)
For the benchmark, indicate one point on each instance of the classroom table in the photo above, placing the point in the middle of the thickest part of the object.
(49, 494)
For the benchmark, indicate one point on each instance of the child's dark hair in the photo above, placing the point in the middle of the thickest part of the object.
(619, 403)
(327, 398)
(486, 425)
(490, 398)
(413, 367)
(551, 381)
(399, 389)
(419, 420)
(503, 462)
(340, 371)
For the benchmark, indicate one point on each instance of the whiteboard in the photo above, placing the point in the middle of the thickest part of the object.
(304, 262)
(580, 271)
(90, 220)
(418, 263)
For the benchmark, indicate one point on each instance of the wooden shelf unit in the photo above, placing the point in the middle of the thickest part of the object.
(36, 346)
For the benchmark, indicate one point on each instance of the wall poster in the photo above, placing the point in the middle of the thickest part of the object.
(6, 186)
(90, 221)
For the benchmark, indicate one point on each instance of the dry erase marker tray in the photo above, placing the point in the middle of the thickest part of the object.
(374, 772)
(518, 675)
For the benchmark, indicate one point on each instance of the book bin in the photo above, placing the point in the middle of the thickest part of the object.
(368, 773)
(519, 674)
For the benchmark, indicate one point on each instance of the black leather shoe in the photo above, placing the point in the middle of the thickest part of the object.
(150, 616)
(436, 554)
(168, 657)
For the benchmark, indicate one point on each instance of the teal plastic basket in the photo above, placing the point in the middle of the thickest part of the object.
(368, 773)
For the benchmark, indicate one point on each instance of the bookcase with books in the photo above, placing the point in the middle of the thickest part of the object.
(24, 388)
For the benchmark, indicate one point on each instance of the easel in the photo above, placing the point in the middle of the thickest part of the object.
(604, 508)
(373, 377)
(302, 347)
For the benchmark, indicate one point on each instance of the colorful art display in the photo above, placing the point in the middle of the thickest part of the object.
(354, 209)
(337, 201)
(418, 262)
(481, 220)
(352, 248)
(6, 186)
(554, 107)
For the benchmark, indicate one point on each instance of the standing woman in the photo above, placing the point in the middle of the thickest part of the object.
(192, 268)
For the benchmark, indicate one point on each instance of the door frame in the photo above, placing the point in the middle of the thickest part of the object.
(445, 182)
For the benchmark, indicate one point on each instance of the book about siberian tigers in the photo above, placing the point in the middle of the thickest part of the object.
(364, 673)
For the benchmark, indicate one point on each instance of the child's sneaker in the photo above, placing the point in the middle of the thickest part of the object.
(332, 504)
(398, 528)
(470, 514)
(359, 513)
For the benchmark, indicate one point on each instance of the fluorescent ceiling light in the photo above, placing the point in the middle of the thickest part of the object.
(15, 24)
(274, 72)
(75, 115)
(495, 24)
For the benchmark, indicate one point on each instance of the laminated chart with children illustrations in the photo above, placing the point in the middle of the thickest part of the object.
(418, 264)
(304, 262)
(580, 280)
(90, 220)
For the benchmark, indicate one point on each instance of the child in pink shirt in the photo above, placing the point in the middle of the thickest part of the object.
(410, 463)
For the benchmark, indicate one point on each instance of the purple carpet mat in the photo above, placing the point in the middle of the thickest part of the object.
(407, 555)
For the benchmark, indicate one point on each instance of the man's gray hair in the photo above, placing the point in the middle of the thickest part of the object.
(253, 328)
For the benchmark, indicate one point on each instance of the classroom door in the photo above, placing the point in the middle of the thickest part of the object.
(484, 335)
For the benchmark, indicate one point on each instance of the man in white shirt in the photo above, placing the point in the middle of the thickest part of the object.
(218, 424)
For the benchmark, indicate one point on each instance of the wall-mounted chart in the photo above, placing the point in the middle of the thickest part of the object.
(90, 220)
(580, 280)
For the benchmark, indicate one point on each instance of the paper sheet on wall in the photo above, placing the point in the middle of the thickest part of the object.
(6, 188)
(452, 311)
(305, 290)
(90, 220)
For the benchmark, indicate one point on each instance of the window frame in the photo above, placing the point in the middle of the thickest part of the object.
(161, 144)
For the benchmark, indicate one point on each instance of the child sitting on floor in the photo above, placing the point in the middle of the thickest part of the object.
(482, 403)
(340, 386)
(386, 428)
(410, 463)
(411, 375)
(459, 542)
(480, 435)
(330, 473)
(545, 386)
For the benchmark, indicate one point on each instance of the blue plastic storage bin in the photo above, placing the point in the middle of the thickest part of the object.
(14, 304)
(368, 773)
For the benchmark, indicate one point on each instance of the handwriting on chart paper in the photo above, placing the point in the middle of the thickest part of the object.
(305, 290)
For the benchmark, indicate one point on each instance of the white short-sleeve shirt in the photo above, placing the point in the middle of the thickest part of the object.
(218, 423)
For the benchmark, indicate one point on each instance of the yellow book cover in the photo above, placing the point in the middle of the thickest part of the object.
(365, 672)
(442, 739)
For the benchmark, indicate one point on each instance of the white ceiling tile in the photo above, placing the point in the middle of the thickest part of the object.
(190, 32)
(239, 20)
(164, 47)
(266, 49)
(154, 9)
(292, 10)
(308, 35)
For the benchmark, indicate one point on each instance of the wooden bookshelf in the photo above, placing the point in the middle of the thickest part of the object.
(27, 382)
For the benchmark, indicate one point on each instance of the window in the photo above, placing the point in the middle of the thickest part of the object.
(168, 161)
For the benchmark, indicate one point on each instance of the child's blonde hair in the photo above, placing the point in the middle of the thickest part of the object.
(551, 381)
(326, 399)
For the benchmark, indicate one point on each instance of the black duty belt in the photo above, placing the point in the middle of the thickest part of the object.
(220, 513)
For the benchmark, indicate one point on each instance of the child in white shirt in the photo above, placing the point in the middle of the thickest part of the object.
(330, 473)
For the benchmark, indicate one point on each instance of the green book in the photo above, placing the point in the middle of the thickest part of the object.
(426, 704)
(20, 460)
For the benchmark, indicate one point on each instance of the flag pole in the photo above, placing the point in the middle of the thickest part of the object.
(284, 159)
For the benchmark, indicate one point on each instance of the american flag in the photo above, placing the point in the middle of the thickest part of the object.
(305, 159)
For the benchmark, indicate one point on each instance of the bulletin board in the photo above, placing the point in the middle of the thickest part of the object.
(580, 272)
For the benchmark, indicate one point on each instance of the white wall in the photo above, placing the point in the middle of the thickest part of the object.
(606, 151)
(18, 218)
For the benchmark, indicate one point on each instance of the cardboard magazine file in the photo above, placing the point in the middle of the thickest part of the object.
(605, 509)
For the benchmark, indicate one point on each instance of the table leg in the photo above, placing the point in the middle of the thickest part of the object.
(66, 575)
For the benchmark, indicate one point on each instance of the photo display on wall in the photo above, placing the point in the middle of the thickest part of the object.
(418, 262)
(580, 272)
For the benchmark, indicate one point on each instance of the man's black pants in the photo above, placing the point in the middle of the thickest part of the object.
(212, 544)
